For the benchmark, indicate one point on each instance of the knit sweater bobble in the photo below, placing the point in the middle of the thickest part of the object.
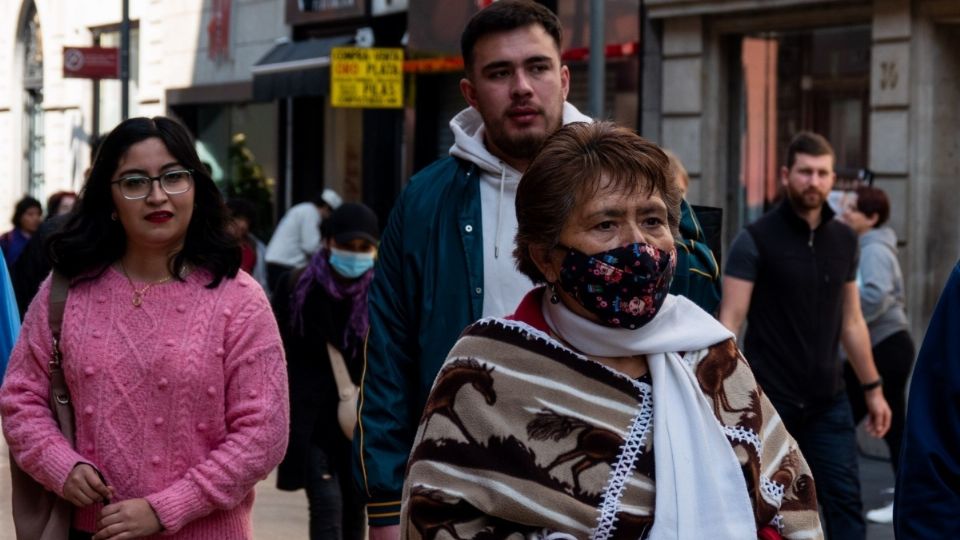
(181, 401)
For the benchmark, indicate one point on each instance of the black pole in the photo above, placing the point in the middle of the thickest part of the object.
(125, 61)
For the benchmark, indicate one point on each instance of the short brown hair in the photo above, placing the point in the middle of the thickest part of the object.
(679, 172)
(567, 170)
(810, 143)
(873, 201)
(504, 16)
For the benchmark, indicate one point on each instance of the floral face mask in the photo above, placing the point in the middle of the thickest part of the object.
(624, 287)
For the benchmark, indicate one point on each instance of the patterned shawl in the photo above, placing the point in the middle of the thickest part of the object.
(522, 435)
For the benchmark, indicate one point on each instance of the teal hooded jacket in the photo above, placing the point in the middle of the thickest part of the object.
(428, 287)
(697, 275)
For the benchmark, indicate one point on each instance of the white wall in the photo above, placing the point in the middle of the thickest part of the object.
(173, 54)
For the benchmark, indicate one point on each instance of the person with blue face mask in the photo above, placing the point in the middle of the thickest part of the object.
(321, 308)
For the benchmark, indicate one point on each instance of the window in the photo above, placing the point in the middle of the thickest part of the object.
(32, 41)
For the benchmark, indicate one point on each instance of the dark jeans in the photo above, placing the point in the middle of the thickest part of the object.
(894, 358)
(336, 512)
(827, 439)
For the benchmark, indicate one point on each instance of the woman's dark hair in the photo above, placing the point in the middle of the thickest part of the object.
(873, 201)
(567, 170)
(90, 240)
(23, 205)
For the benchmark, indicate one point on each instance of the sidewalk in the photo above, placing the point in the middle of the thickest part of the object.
(876, 476)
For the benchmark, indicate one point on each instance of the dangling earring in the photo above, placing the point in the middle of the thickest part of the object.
(554, 299)
(113, 216)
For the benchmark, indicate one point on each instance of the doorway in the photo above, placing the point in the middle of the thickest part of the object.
(786, 82)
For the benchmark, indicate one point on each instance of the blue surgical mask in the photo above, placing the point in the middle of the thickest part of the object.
(350, 264)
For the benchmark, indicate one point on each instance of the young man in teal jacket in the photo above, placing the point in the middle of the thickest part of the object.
(445, 258)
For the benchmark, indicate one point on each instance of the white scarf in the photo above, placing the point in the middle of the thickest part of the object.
(701, 492)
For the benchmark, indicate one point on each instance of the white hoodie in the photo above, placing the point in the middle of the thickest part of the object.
(503, 285)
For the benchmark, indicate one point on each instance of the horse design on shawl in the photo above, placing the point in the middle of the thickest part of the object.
(454, 376)
(715, 368)
(595, 445)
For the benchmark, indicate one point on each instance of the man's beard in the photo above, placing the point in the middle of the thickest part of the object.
(809, 199)
(524, 145)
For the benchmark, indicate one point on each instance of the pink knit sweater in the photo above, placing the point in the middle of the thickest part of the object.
(182, 401)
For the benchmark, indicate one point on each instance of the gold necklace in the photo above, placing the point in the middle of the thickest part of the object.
(138, 293)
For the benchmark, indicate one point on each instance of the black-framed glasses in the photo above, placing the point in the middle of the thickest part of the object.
(138, 186)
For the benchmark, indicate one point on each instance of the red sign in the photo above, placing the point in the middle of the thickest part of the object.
(218, 31)
(91, 62)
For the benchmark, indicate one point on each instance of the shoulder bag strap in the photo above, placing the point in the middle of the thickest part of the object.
(59, 285)
(59, 393)
(345, 386)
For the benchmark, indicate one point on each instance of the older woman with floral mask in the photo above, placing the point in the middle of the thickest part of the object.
(604, 407)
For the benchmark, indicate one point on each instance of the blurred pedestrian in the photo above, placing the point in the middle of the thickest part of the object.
(9, 319)
(646, 425)
(880, 283)
(243, 219)
(297, 236)
(173, 359)
(60, 203)
(792, 276)
(698, 275)
(445, 257)
(34, 263)
(323, 312)
(27, 216)
(928, 492)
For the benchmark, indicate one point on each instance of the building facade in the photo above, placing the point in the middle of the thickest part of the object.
(728, 82)
(199, 61)
(47, 120)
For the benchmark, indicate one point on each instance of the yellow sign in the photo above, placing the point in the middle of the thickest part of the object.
(368, 78)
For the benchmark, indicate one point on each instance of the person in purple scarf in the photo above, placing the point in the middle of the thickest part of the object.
(326, 303)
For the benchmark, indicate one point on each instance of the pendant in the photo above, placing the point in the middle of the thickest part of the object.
(137, 299)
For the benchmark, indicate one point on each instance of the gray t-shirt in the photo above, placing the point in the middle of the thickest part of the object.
(743, 257)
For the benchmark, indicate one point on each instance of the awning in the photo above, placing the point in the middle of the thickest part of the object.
(295, 68)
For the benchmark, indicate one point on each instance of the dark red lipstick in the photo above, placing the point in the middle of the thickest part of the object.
(159, 217)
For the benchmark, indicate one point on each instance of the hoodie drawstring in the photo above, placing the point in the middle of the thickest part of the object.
(496, 240)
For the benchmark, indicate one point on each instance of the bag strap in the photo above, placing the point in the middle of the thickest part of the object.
(59, 393)
(59, 286)
(345, 386)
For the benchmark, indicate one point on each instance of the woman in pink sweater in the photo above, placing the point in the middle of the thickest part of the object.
(173, 359)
